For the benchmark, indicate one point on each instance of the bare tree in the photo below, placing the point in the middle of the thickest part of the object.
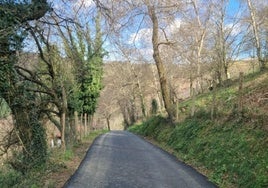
(147, 15)
(159, 62)
(256, 34)
(226, 38)
(255, 29)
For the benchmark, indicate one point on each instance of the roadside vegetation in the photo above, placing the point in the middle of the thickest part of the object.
(48, 93)
(231, 147)
(55, 173)
(67, 67)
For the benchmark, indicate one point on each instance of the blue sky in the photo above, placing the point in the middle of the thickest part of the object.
(141, 40)
(233, 7)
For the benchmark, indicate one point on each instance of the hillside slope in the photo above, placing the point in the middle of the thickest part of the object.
(231, 149)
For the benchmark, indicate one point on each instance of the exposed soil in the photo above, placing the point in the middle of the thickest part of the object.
(61, 174)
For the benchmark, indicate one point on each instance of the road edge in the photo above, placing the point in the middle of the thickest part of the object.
(175, 158)
(83, 160)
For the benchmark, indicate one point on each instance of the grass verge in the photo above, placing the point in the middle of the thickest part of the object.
(231, 149)
(57, 171)
(230, 155)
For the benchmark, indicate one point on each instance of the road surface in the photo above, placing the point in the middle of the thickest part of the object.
(120, 159)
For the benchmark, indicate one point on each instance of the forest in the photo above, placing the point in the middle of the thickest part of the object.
(68, 68)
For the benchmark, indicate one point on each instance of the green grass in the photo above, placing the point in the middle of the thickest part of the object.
(234, 155)
(232, 149)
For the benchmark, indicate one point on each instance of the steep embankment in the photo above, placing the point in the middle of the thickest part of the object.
(231, 149)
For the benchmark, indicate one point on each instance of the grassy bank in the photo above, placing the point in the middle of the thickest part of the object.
(57, 171)
(231, 149)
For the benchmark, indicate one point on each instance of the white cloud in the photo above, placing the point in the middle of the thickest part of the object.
(142, 43)
(174, 26)
(143, 38)
(233, 29)
(84, 3)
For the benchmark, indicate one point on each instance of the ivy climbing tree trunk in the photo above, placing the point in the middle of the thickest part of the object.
(13, 89)
(32, 137)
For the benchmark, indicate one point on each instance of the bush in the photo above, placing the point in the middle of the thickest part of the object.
(9, 178)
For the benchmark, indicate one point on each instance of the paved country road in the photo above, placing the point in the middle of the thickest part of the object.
(124, 160)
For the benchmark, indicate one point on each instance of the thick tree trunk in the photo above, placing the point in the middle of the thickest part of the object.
(160, 65)
(26, 117)
(159, 98)
(31, 135)
(143, 106)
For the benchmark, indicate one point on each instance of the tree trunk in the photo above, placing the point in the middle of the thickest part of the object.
(132, 110)
(256, 35)
(76, 125)
(199, 40)
(91, 121)
(26, 117)
(85, 123)
(81, 126)
(191, 85)
(159, 64)
(219, 77)
(32, 137)
(63, 123)
(63, 118)
(108, 122)
(177, 110)
(143, 107)
(159, 98)
(240, 94)
(214, 102)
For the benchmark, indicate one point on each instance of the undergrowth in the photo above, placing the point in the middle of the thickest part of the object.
(232, 148)
(236, 156)
(37, 177)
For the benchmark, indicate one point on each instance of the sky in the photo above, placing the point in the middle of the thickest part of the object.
(141, 40)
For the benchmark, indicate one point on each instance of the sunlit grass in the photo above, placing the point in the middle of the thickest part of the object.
(231, 149)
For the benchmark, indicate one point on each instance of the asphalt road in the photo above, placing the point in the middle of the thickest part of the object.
(123, 160)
